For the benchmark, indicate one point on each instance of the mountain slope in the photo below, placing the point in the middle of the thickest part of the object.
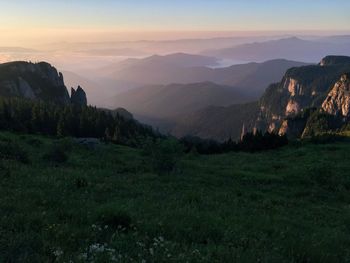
(176, 99)
(156, 62)
(215, 122)
(284, 107)
(289, 48)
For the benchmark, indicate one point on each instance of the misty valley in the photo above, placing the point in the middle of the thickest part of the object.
(147, 132)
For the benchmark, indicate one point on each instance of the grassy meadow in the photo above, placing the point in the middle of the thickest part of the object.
(65, 202)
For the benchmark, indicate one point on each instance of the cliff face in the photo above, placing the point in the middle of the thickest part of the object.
(32, 81)
(338, 99)
(302, 88)
(332, 115)
(293, 128)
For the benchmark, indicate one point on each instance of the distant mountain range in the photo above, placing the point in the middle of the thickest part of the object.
(292, 48)
(213, 87)
(125, 69)
(304, 100)
(162, 47)
(251, 78)
(168, 101)
(309, 99)
(17, 50)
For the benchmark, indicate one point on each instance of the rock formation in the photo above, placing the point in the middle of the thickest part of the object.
(306, 87)
(32, 81)
(338, 99)
(78, 96)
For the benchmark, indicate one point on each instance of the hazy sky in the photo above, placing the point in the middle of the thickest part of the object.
(24, 21)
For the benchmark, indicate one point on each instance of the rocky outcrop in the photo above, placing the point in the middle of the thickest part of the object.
(293, 86)
(78, 96)
(331, 116)
(338, 99)
(32, 81)
(293, 128)
(305, 87)
(25, 89)
(334, 60)
(292, 107)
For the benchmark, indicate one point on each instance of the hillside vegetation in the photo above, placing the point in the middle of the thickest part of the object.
(61, 201)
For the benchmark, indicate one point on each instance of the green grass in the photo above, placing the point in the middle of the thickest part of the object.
(107, 205)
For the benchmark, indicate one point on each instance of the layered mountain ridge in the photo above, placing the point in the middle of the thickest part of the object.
(308, 100)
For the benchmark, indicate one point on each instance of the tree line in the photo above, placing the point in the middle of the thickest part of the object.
(251, 142)
(28, 116)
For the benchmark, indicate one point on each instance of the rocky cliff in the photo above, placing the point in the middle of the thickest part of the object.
(302, 88)
(32, 81)
(338, 99)
(332, 116)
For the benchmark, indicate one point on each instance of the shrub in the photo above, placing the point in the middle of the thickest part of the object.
(11, 150)
(66, 144)
(193, 144)
(251, 142)
(325, 138)
(165, 154)
(254, 142)
(114, 218)
(34, 142)
(56, 154)
(80, 182)
(4, 171)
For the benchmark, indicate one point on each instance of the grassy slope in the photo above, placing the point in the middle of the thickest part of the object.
(290, 205)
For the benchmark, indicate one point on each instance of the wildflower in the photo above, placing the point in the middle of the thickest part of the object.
(58, 252)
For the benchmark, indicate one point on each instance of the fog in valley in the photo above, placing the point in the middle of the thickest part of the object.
(164, 81)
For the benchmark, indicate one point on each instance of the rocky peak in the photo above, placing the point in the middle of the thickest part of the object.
(32, 81)
(338, 99)
(78, 96)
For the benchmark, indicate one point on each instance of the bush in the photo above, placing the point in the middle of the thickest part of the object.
(56, 154)
(193, 144)
(34, 142)
(80, 182)
(11, 150)
(325, 138)
(251, 142)
(66, 144)
(165, 154)
(255, 142)
(114, 218)
(4, 171)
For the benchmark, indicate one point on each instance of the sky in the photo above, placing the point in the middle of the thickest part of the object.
(31, 21)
